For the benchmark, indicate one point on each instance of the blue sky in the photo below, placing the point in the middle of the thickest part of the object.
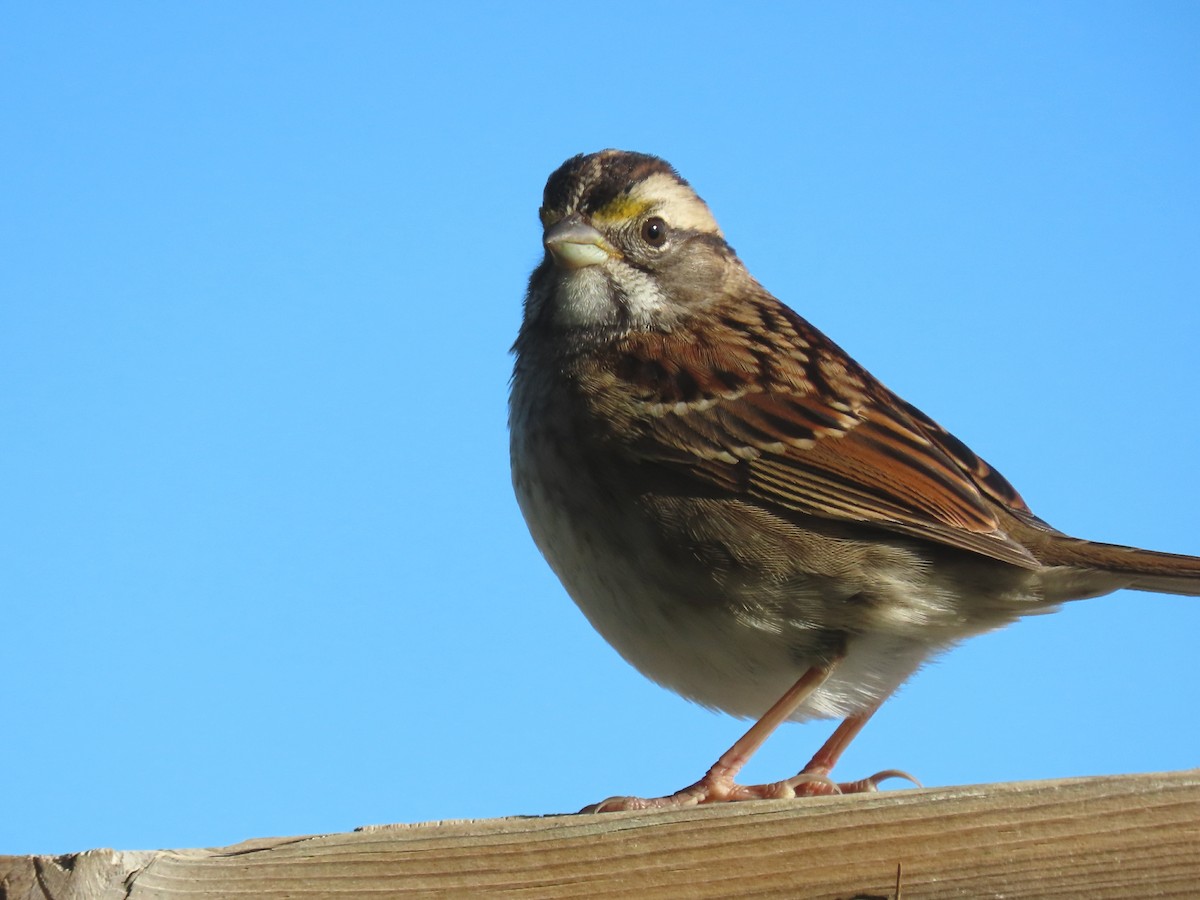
(261, 571)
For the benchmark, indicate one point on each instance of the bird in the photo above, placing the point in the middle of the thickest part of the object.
(742, 511)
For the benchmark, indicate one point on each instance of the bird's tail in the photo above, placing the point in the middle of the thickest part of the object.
(1141, 570)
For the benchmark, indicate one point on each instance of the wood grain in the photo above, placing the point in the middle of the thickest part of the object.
(1119, 837)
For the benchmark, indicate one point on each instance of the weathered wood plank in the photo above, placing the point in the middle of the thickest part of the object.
(1114, 837)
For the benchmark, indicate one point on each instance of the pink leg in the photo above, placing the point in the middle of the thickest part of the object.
(718, 785)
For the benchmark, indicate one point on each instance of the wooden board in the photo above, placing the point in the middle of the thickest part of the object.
(1119, 837)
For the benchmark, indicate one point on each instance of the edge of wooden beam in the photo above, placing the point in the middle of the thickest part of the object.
(1119, 836)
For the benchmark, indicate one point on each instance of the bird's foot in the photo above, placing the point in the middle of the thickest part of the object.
(718, 789)
(709, 789)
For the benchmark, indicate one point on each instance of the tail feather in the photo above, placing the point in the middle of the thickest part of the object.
(1141, 570)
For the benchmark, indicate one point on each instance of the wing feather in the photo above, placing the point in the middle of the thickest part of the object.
(811, 432)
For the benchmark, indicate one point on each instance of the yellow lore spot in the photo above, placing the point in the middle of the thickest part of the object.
(622, 208)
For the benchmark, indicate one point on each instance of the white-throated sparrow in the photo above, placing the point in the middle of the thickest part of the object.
(739, 508)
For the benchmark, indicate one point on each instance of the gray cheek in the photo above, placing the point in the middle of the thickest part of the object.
(693, 275)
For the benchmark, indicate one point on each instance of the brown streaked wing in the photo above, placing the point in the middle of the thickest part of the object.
(991, 482)
(867, 459)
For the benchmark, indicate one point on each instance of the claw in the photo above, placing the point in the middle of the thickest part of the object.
(814, 785)
(896, 773)
(871, 783)
(612, 804)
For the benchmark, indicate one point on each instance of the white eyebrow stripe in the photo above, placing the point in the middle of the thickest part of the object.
(678, 203)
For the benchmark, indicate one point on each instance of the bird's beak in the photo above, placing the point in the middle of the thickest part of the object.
(575, 244)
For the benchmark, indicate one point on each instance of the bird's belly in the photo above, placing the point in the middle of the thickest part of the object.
(735, 648)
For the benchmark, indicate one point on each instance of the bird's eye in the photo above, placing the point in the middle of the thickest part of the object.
(654, 231)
